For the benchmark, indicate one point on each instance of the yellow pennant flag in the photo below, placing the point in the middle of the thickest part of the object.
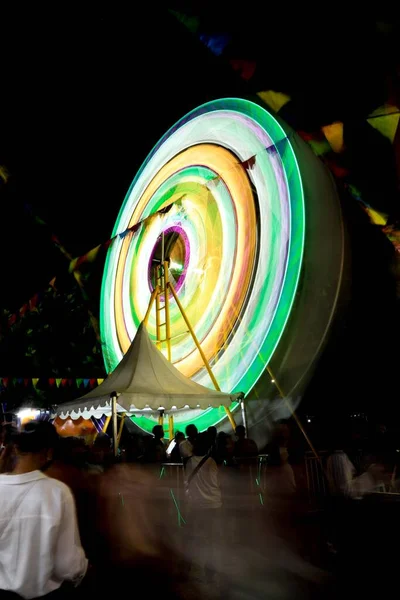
(386, 120)
(334, 135)
(275, 100)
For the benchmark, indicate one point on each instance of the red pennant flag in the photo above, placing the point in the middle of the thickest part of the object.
(249, 163)
(52, 382)
(246, 68)
(33, 302)
(12, 320)
(93, 383)
(26, 381)
(64, 382)
(5, 381)
(23, 310)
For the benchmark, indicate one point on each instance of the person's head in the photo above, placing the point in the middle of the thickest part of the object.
(191, 431)
(212, 433)
(202, 444)
(34, 445)
(240, 432)
(179, 437)
(158, 432)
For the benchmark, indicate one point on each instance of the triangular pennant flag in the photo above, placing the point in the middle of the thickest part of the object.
(124, 233)
(33, 302)
(26, 381)
(275, 100)
(4, 174)
(92, 254)
(377, 218)
(14, 381)
(334, 135)
(52, 381)
(35, 381)
(100, 380)
(86, 382)
(93, 383)
(246, 68)
(79, 383)
(386, 120)
(5, 381)
(165, 210)
(73, 265)
(23, 310)
(20, 380)
(249, 163)
(58, 382)
(70, 382)
(64, 381)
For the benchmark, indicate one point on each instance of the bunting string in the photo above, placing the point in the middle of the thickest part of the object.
(51, 382)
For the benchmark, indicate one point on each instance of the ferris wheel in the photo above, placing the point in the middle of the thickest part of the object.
(248, 225)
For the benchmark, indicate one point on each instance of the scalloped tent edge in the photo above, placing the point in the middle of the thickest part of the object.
(144, 379)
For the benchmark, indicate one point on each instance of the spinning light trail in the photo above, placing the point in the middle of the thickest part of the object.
(234, 236)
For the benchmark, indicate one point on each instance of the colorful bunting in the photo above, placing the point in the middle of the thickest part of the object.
(50, 382)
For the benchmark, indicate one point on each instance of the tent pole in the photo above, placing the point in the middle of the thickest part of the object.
(106, 423)
(158, 327)
(171, 427)
(152, 298)
(121, 427)
(114, 418)
(293, 413)
(161, 418)
(166, 303)
(203, 356)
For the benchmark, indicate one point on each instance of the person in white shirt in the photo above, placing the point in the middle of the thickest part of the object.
(202, 476)
(186, 447)
(205, 514)
(40, 548)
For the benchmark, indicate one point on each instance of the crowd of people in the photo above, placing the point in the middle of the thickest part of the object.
(75, 519)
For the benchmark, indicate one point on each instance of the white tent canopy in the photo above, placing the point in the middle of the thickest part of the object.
(145, 379)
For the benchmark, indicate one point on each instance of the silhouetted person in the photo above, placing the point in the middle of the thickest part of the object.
(175, 456)
(244, 447)
(155, 451)
(225, 448)
(186, 447)
(39, 539)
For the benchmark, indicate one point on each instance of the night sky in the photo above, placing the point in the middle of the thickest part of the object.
(85, 96)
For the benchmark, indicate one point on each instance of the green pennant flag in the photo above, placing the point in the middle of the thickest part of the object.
(58, 382)
(79, 383)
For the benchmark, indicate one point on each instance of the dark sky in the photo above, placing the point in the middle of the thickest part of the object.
(86, 97)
